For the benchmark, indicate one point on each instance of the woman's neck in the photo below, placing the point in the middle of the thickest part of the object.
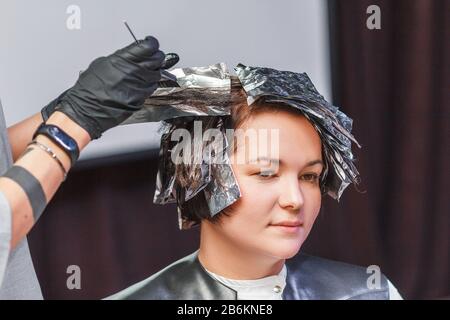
(229, 260)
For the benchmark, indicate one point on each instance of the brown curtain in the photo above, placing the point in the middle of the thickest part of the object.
(394, 82)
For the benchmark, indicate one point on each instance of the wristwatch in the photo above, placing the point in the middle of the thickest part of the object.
(62, 139)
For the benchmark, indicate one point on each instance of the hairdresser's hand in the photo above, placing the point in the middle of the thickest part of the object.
(113, 87)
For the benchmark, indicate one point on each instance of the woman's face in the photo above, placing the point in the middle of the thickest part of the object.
(279, 203)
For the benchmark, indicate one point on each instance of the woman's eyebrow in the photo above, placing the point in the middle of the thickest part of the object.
(314, 162)
(280, 162)
(265, 159)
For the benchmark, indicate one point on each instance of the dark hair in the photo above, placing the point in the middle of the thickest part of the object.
(196, 209)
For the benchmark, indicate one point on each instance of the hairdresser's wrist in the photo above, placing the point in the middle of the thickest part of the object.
(75, 131)
(72, 129)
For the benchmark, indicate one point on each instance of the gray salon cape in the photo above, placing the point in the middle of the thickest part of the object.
(17, 276)
(308, 277)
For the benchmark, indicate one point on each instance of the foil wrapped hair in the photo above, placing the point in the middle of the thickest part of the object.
(206, 91)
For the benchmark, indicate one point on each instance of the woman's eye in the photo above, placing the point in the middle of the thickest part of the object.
(266, 174)
(310, 177)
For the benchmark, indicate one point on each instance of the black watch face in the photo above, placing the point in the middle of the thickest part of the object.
(64, 139)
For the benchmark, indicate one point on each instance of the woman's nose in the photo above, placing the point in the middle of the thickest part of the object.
(291, 196)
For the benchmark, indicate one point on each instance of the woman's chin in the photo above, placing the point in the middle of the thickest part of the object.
(286, 249)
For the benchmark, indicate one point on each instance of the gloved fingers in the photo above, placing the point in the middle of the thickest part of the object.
(140, 51)
(170, 60)
(146, 92)
(130, 65)
(144, 72)
(154, 62)
(145, 80)
(114, 87)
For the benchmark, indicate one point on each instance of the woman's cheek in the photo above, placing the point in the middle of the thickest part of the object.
(247, 184)
(259, 193)
(315, 205)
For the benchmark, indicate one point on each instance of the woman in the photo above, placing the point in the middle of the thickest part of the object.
(249, 243)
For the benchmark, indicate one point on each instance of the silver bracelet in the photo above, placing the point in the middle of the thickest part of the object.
(52, 154)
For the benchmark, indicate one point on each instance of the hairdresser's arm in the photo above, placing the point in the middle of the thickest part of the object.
(41, 166)
(107, 93)
(21, 133)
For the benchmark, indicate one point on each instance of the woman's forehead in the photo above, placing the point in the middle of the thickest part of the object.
(289, 137)
(290, 125)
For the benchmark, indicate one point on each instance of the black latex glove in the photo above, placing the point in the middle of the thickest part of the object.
(113, 87)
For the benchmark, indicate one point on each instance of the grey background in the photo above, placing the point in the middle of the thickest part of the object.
(41, 57)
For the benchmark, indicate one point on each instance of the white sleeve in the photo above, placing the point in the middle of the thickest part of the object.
(5, 234)
(393, 292)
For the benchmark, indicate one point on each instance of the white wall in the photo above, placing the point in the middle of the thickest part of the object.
(40, 57)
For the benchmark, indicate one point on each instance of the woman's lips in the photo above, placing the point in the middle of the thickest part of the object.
(288, 223)
(288, 226)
